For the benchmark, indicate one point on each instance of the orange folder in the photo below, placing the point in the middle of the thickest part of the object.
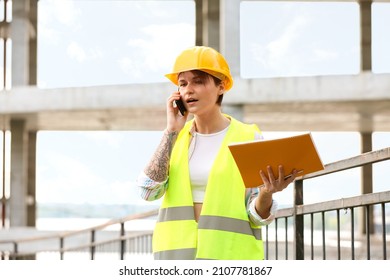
(296, 152)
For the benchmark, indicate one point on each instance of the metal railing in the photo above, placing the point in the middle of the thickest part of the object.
(109, 238)
(331, 235)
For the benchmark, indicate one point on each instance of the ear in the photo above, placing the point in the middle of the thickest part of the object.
(222, 88)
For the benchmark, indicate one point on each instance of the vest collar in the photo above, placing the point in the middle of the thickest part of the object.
(192, 125)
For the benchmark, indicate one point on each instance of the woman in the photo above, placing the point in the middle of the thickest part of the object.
(206, 213)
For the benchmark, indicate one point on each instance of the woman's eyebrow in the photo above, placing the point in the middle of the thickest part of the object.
(193, 78)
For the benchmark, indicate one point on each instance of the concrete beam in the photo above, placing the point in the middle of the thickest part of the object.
(329, 103)
(363, 87)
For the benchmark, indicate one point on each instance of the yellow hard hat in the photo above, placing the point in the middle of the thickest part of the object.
(205, 59)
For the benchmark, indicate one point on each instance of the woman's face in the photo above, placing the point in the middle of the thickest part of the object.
(199, 92)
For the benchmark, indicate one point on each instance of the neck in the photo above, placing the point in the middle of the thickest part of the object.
(211, 123)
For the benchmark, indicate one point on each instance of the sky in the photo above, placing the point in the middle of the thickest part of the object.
(89, 43)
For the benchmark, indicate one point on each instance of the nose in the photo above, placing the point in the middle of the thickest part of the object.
(187, 90)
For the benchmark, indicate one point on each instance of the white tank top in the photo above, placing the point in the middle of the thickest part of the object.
(202, 153)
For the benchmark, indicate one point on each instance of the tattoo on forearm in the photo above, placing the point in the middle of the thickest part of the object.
(157, 169)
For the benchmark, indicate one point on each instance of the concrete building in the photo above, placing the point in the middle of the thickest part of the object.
(322, 103)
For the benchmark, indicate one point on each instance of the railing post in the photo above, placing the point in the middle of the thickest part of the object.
(299, 250)
(122, 241)
(93, 245)
(368, 230)
(62, 247)
(286, 236)
(15, 251)
(323, 235)
(384, 230)
(266, 243)
(352, 233)
(276, 239)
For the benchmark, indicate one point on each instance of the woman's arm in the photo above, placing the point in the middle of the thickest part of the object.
(153, 182)
(252, 196)
(158, 166)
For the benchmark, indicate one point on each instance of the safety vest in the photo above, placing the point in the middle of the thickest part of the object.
(224, 231)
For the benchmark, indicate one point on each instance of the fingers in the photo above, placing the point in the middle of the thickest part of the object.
(264, 177)
(270, 179)
(290, 178)
(174, 96)
(281, 173)
(282, 181)
(171, 106)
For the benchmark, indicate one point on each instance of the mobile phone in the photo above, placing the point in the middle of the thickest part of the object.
(180, 106)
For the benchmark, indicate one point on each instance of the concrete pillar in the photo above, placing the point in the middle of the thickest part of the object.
(365, 34)
(18, 201)
(230, 34)
(23, 30)
(31, 179)
(366, 137)
(367, 183)
(3, 187)
(207, 23)
(199, 22)
(218, 26)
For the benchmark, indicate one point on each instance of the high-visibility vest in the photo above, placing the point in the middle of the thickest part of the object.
(224, 231)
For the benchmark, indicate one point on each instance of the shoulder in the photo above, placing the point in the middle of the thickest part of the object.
(245, 126)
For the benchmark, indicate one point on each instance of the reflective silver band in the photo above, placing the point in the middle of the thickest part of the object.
(229, 224)
(179, 254)
(176, 214)
(209, 222)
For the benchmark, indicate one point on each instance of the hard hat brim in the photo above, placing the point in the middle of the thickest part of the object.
(173, 77)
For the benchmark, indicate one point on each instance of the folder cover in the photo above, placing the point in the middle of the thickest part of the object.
(295, 152)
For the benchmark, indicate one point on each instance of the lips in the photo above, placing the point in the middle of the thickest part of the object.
(191, 100)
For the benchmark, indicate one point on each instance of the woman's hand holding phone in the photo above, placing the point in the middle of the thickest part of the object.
(176, 112)
(180, 104)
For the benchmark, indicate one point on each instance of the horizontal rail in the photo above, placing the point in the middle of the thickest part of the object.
(353, 162)
(342, 203)
(86, 230)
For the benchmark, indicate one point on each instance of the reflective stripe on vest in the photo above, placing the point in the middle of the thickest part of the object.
(224, 230)
(208, 222)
